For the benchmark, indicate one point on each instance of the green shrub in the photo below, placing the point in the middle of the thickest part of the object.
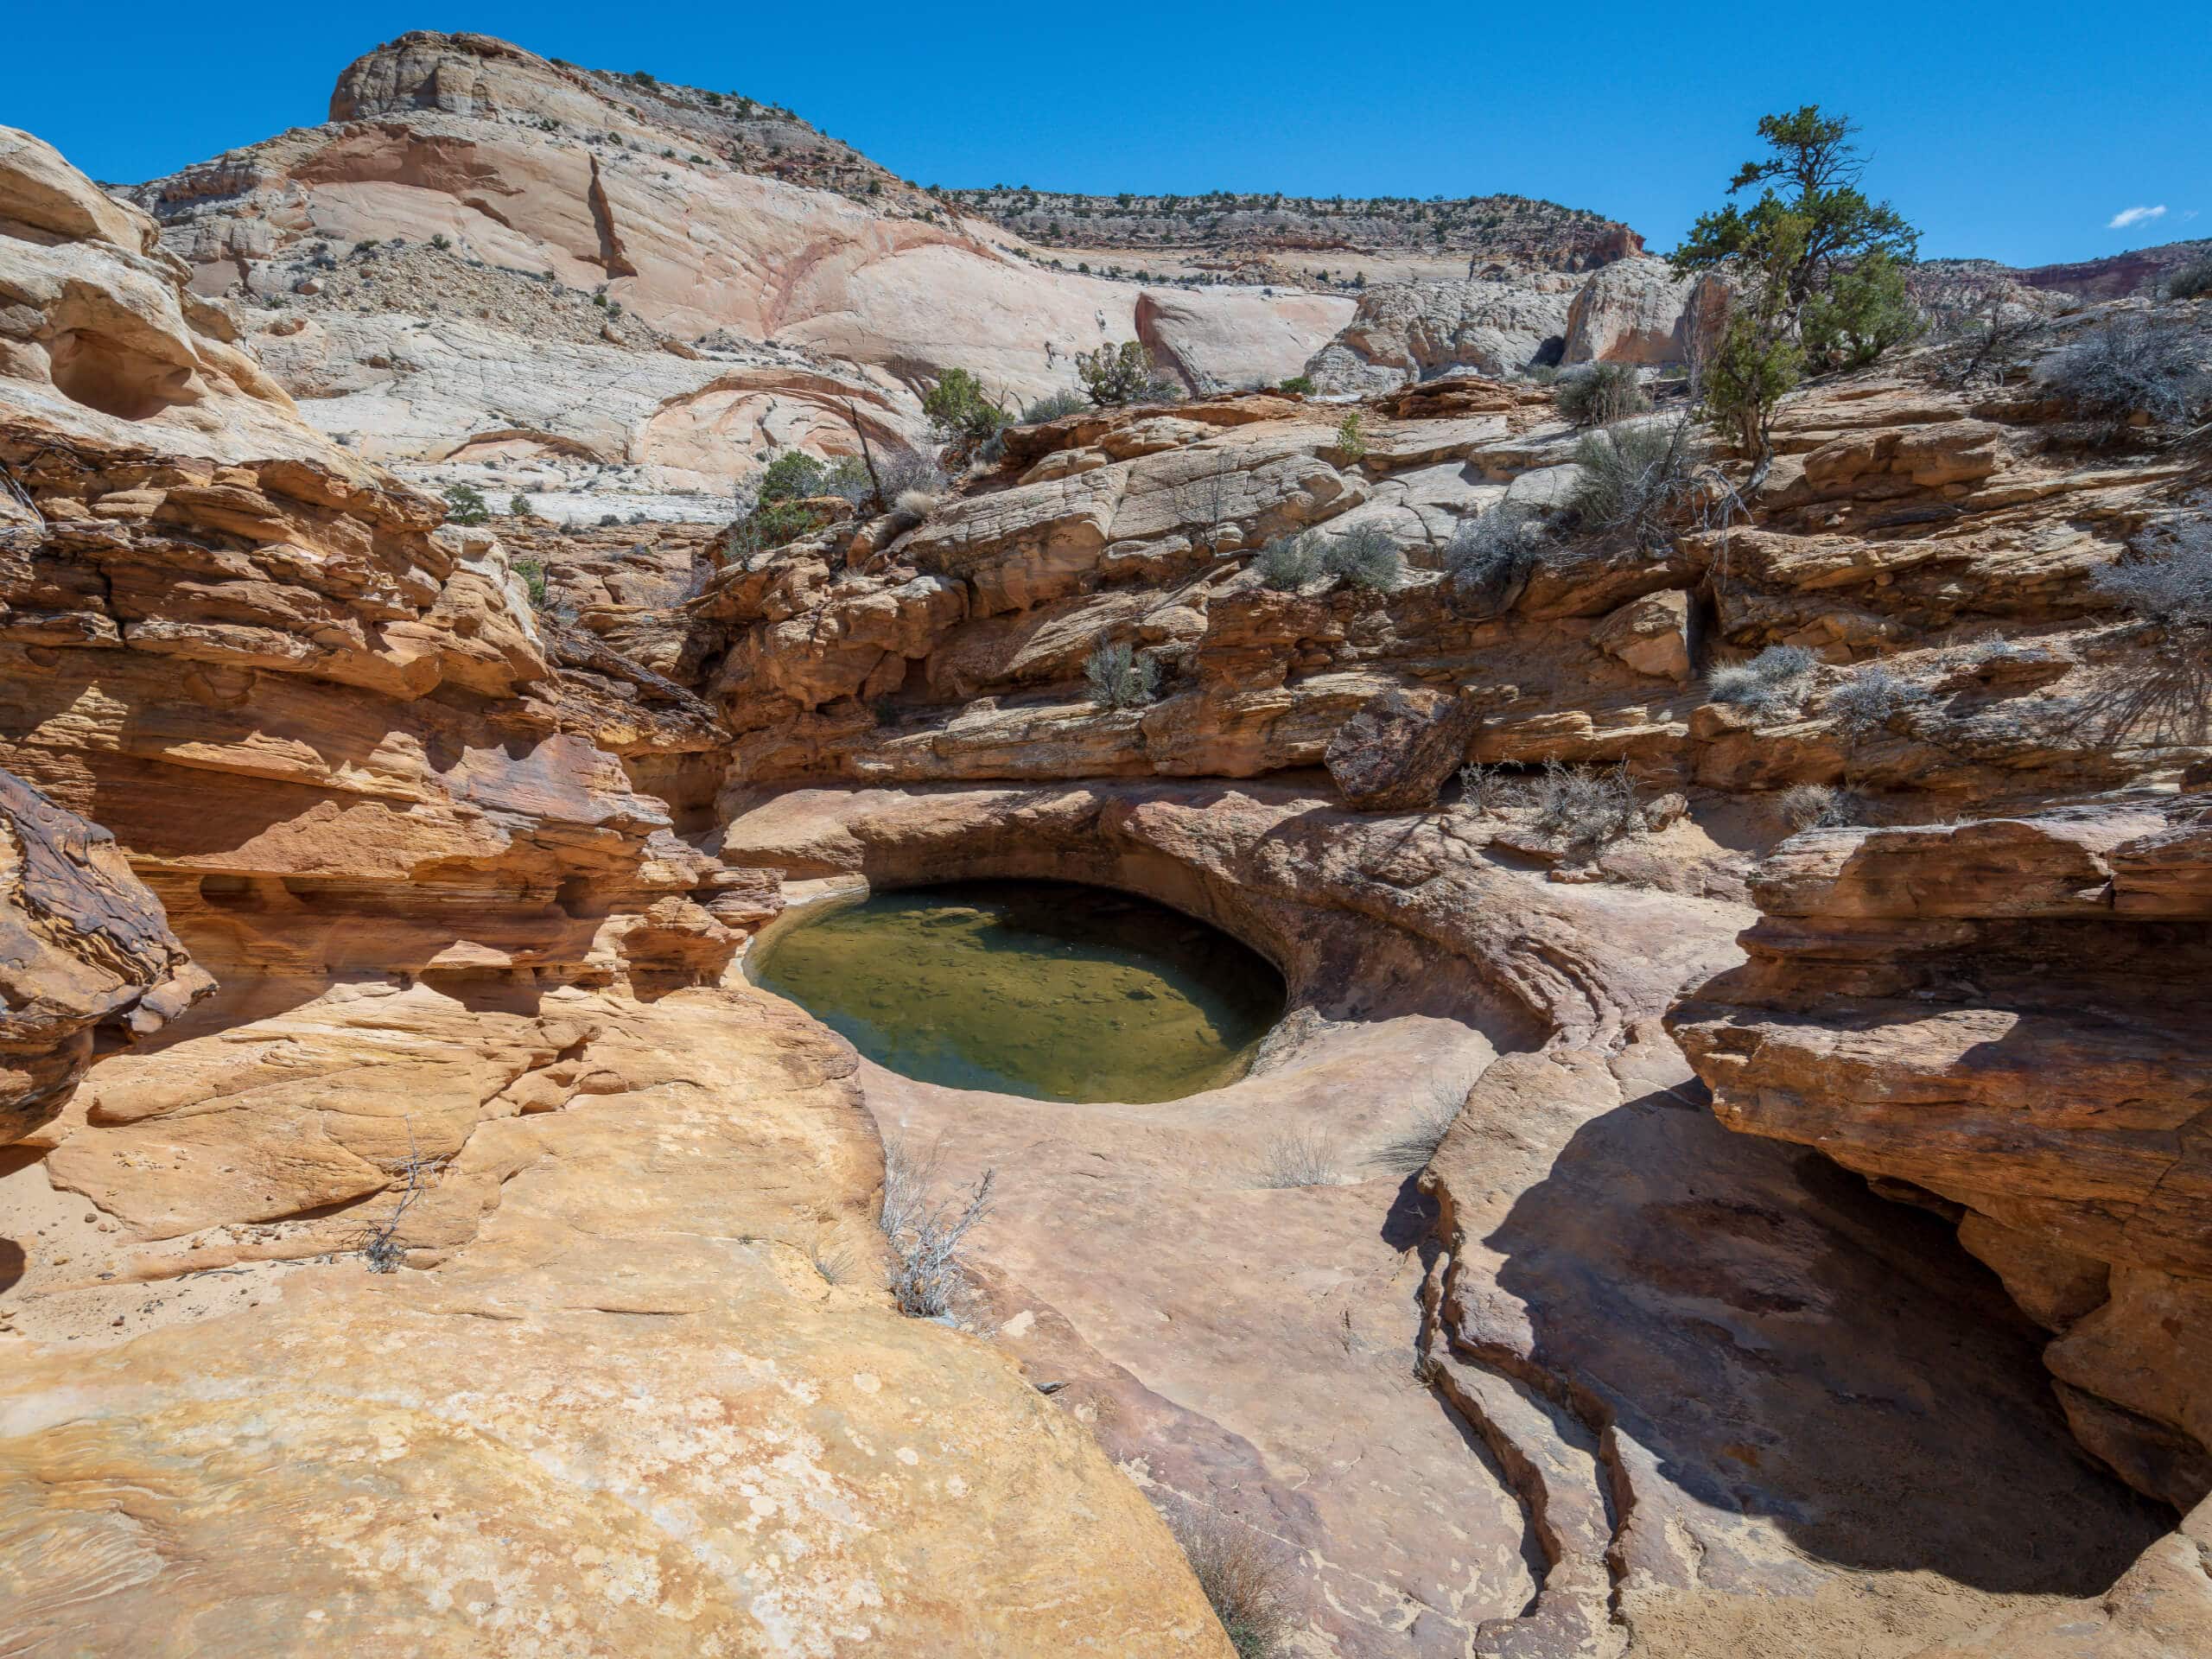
(1634, 479)
(1352, 437)
(1601, 394)
(1865, 311)
(770, 525)
(440, 243)
(959, 410)
(790, 476)
(1288, 564)
(2192, 280)
(1117, 374)
(518, 506)
(1367, 557)
(1301, 384)
(1120, 677)
(465, 505)
(1773, 685)
(1752, 370)
(1053, 406)
(533, 581)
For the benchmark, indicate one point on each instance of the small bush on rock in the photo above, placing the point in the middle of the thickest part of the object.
(1863, 703)
(1494, 551)
(1583, 809)
(1301, 384)
(1299, 1158)
(2130, 366)
(1287, 563)
(1820, 806)
(2192, 280)
(1366, 557)
(1601, 394)
(1489, 791)
(533, 581)
(791, 475)
(1246, 1579)
(466, 505)
(1635, 478)
(1772, 686)
(1120, 677)
(2172, 587)
(1352, 437)
(959, 410)
(1117, 374)
(1053, 406)
(929, 1275)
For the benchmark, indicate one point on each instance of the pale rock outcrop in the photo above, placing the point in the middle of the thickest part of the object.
(1636, 311)
(611, 1315)
(1493, 326)
(100, 334)
(535, 167)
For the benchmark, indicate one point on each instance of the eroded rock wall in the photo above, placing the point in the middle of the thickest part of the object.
(2005, 1015)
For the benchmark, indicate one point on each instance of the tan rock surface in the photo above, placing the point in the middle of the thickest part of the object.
(1605, 1252)
(629, 1415)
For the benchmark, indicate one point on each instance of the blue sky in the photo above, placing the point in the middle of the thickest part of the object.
(2018, 132)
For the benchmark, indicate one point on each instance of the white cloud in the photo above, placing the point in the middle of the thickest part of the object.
(2127, 216)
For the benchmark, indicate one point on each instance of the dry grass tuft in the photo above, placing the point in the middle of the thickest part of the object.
(1300, 1158)
(1247, 1578)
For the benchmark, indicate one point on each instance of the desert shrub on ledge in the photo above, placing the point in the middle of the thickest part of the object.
(1601, 394)
(1120, 676)
(1636, 477)
(1773, 685)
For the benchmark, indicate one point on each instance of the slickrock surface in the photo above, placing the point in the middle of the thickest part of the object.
(629, 1415)
(631, 1383)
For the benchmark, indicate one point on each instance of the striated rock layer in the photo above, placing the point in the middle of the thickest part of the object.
(84, 948)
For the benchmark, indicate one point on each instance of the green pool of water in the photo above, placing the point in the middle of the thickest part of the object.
(1028, 987)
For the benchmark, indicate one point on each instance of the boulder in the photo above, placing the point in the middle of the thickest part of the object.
(1650, 634)
(1632, 311)
(1409, 331)
(1396, 754)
